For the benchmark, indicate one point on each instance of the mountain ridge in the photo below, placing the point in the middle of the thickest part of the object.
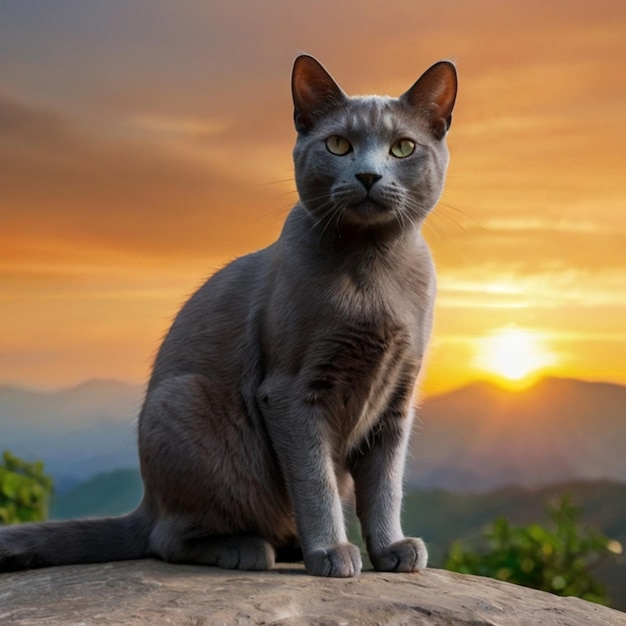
(482, 436)
(78, 432)
(477, 437)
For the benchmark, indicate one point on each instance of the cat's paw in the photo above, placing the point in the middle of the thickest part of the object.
(342, 560)
(246, 553)
(407, 555)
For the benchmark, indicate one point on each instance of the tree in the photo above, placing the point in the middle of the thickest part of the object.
(558, 557)
(25, 490)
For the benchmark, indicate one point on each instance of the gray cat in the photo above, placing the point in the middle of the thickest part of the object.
(287, 380)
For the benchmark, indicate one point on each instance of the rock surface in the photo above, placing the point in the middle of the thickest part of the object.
(150, 592)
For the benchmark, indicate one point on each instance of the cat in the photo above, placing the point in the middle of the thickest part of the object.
(286, 382)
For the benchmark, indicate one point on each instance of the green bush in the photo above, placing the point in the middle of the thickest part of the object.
(25, 490)
(558, 557)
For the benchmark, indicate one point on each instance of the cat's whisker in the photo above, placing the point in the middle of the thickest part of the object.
(323, 220)
(428, 225)
(279, 181)
(461, 211)
(445, 206)
(446, 221)
(334, 219)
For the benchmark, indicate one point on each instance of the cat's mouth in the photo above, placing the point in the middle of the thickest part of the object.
(368, 211)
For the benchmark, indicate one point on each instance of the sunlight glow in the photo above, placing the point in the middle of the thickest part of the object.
(514, 354)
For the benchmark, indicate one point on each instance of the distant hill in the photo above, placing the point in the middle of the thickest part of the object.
(476, 438)
(77, 432)
(482, 437)
(113, 493)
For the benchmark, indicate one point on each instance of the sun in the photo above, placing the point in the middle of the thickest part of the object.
(514, 355)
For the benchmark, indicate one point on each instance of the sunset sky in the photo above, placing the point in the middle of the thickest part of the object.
(145, 143)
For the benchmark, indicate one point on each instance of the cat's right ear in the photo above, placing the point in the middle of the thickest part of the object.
(314, 92)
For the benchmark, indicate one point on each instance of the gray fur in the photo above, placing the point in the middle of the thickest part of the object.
(287, 379)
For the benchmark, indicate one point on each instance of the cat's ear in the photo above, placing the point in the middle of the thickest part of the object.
(314, 91)
(433, 95)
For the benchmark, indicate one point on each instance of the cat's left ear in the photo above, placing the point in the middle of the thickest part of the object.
(433, 95)
(314, 92)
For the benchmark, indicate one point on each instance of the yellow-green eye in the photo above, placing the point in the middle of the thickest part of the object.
(338, 145)
(403, 148)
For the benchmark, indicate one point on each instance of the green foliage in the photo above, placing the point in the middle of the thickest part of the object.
(558, 557)
(24, 490)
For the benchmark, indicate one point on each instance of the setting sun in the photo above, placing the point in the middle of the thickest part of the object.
(514, 354)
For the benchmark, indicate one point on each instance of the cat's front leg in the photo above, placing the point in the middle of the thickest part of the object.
(298, 434)
(378, 470)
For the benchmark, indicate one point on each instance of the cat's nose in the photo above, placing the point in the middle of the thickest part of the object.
(367, 179)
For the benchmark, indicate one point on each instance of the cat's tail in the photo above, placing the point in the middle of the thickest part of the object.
(97, 540)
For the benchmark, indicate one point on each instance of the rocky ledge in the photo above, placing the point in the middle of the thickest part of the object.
(150, 592)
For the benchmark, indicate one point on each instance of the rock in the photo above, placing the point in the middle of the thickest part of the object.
(137, 593)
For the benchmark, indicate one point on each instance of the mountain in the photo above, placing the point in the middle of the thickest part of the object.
(112, 493)
(77, 432)
(482, 437)
(476, 438)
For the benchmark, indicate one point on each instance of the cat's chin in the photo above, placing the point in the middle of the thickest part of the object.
(368, 213)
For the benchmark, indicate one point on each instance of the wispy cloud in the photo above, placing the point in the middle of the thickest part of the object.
(552, 288)
(185, 127)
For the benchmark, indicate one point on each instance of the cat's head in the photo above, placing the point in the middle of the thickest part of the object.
(369, 161)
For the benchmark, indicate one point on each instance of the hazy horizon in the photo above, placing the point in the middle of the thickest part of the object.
(491, 381)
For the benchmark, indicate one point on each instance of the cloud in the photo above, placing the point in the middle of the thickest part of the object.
(573, 237)
(493, 286)
(195, 128)
(159, 192)
(23, 124)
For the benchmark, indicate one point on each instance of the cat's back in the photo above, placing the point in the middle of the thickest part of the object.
(212, 329)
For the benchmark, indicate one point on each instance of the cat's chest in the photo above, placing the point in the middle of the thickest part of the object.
(370, 353)
(385, 294)
(372, 350)
(354, 369)
(353, 338)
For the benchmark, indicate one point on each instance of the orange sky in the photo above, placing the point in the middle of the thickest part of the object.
(144, 144)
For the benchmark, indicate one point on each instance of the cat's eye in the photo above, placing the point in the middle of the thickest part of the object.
(338, 145)
(403, 148)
